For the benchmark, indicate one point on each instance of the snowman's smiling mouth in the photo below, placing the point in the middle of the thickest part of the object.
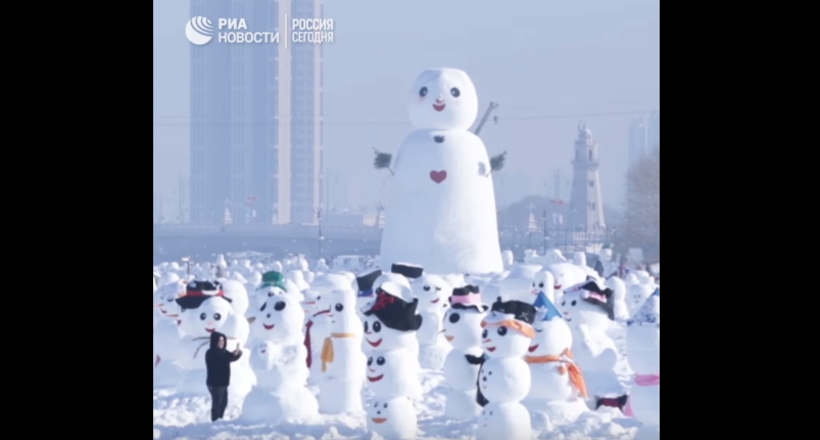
(491, 349)
(210, 330)
(268, 327)
(374, 344)
(378, 420)
(375, 379)
(533, 348)
(439, 107)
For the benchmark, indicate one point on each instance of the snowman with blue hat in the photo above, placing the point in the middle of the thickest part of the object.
(558, 388)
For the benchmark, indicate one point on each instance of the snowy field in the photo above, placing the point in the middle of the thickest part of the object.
(187, 416)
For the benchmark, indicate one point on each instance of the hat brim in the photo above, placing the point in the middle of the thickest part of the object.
(481, 308)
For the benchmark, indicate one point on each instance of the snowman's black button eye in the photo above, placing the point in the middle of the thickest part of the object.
(279, 306)
(455, 92)
(454, 318)
(502, 331)
(574, 302)
(423, 92)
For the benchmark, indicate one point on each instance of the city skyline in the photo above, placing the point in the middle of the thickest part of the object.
(594, 61)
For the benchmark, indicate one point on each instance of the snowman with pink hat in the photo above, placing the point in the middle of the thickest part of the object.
(462, 328)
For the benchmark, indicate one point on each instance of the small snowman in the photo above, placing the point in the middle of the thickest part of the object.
(392, 365)
(279, 363)
(619, 307)
(342, 360)
(206, 310)
(505, 379)
(558, 386)
(433, 294)
(643, 351)
(167, 336)
(316, 322)
(637, 295)
(393, 418)
(544, 282)
(462, 329)
(588, 309)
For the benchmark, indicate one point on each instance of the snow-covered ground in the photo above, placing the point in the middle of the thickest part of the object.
(188, 417)
(178, 417)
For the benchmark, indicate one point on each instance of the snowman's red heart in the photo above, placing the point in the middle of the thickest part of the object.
(438, 176)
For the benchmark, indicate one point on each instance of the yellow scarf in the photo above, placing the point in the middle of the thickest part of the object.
(565, 364)
(327, 348)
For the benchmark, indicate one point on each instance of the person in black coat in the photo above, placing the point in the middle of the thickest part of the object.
(218, 363)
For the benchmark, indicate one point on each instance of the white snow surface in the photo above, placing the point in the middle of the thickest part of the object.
(185, 416)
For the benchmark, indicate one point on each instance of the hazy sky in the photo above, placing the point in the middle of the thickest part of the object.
(548, 63)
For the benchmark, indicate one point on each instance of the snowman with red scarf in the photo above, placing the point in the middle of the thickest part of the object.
(206, 309)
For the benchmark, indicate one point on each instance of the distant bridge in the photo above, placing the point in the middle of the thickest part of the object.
(203, 242)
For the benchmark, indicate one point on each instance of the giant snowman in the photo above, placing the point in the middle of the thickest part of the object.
(441, 214)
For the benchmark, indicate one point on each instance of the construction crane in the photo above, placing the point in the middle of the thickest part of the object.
(490, 109)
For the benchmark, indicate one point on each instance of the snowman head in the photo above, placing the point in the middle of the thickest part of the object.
(462, 323)
(638, 293)
(432, 291)
(388, 371)
(165, 300)
(263, 356)
(544, 281)
(209, 317)
(508, 329)
(378, 412)
(443, 99)
(589, 304)
(280, 319)
(390, 322)
(342, 315)
(462, 326)
(618, 288)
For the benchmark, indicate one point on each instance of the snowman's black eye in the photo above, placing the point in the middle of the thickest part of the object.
(454, 318)
(455, 92)
(502, 331)
(339, 307)
(426, 288)
(369, 361)
(365, 326)
(385, 406)
(377, 326)
(438, 289)
(217, 316)
(262, 309)
(380, 361)
(279, 306)
(484, 334)
(573, 303)
(541, 285)
(423, 92)
(203, 316)
(563, 303)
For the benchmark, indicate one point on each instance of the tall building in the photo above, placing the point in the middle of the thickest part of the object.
(644, 135)
(256, 126)
(586, 209)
